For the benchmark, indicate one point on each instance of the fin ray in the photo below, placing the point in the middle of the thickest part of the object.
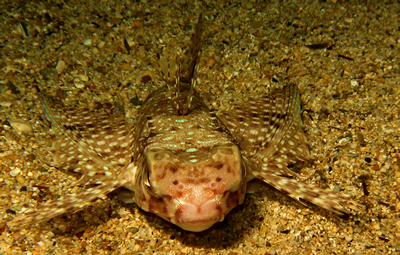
(87, 142)
(325, 198)
(55, 208)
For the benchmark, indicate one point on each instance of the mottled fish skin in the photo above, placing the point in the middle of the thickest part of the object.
(182, 161)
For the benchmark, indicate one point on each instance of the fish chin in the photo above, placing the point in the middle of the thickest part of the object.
(198, 218)
(196, 226)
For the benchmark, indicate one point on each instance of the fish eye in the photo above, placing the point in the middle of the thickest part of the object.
(147, 180)
(153, 191)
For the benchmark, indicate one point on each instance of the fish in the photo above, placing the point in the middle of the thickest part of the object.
(179, 159)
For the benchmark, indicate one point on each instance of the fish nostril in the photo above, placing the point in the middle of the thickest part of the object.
(175, 182)
(219, 166)
(214, 184)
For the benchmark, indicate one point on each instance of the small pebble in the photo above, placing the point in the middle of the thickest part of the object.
(249, 5)
(61, 65)
(30, 157)
(83, 77)
(146, 79)
(101, 44)
(263, 230)
(376, 226)
(354, 83)
(52, 189)
(11, 211)
(18, 236)
(79, 85)
(153, 243)
(20, 179)
(62, 227)
(210, 62)
(15, 172)
(49, 73)
(88, 42)
(134, 229)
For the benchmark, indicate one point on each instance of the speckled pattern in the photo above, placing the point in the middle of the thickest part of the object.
(343, 57)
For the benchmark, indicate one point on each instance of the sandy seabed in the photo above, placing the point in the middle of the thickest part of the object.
(344, 57)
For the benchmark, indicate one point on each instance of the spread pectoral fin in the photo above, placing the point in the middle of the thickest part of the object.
(88, 142)
(325, 198)
(265, 123)
(54, 208)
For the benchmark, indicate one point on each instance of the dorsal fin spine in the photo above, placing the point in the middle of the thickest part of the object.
(174, 71)
(190, 62)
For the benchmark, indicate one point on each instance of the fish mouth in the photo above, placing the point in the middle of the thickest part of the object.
(198, 218)
(198, 225)
(214, 219)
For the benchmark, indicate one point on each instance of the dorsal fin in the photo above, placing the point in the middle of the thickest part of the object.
(176, 70)
(169, 71)
(189, 64)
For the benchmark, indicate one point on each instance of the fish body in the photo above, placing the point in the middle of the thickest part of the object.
(192, 172)
(181, 160)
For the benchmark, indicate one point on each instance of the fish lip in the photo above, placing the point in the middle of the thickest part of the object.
(198, 225)
(214, 219)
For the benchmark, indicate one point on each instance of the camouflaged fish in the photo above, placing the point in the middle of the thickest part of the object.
(182, 161)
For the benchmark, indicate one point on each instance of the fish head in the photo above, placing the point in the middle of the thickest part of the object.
(194, 189)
